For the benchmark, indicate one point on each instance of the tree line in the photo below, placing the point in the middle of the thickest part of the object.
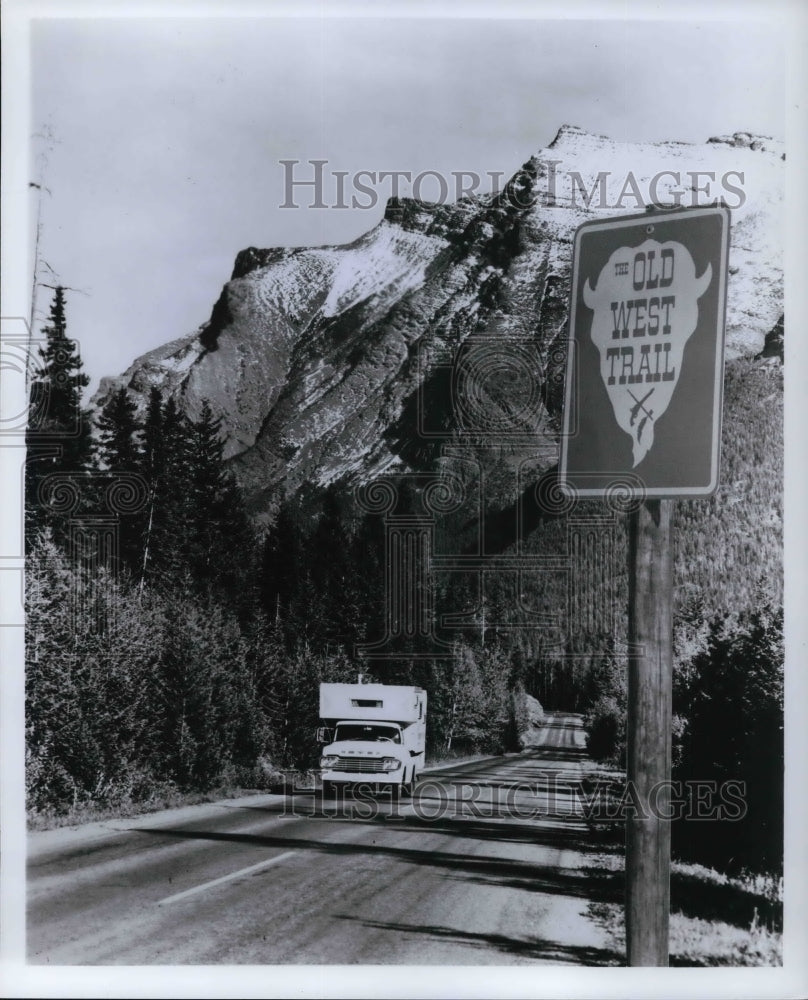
(172, 646)
(183, 649)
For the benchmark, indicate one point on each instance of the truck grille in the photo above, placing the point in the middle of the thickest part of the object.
(360, 765)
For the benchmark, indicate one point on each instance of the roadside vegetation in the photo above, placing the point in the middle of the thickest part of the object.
(728, 641)
(716, 919)
(180, 654)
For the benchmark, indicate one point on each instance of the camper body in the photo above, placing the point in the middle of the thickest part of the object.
(378, 735)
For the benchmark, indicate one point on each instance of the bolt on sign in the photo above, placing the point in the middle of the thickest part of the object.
(644, 379)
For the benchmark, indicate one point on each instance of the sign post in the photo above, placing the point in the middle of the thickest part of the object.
(642, 421)
(648, 758)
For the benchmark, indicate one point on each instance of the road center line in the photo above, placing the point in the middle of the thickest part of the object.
(226, 878)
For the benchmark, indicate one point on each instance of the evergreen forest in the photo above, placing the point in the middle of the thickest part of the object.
(173, 646)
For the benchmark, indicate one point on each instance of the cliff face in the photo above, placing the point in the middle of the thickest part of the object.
(330, 362)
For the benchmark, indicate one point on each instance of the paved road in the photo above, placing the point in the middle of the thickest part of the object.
(485, 865)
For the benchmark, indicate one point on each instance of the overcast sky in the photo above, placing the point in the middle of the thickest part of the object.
(169, 132)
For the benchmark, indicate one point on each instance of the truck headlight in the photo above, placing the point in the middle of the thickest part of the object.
(329, 762)
(390, 764)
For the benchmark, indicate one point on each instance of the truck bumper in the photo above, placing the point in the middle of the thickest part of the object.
(376, 780)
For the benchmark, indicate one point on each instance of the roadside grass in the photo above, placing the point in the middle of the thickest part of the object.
(716, 919)
(166, 795)
(700, 943)
(164, 798)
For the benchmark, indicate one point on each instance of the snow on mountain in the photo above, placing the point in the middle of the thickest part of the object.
(321, 359)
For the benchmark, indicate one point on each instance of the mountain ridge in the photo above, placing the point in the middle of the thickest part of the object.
(320, 359)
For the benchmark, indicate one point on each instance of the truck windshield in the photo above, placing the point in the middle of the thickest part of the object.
(371, 733)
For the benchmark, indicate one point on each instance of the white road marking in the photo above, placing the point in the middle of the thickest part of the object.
(226, 878)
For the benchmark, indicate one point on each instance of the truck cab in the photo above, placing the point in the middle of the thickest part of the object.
(378, 736)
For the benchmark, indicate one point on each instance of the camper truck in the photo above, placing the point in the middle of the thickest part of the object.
(375, 736)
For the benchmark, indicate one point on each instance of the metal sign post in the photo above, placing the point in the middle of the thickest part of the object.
(642, 418)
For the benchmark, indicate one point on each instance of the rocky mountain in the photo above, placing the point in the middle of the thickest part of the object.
(446, 320)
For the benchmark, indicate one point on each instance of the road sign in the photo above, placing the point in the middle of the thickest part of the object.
(645, 368)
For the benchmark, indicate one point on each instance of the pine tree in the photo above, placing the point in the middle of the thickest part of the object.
(166, 463)
(153, 435)
(284, 575)
(467, 707)
(734, 733)
(50, 689)
(333, 612)
(221, 543)
(120, 429)
(266, 664)
(121, 451)
(366, 597)
(206, 482)
(58, 437)
(152, 466)
(176, 481)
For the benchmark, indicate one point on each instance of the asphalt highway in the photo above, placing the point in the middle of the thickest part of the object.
(485, 865)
